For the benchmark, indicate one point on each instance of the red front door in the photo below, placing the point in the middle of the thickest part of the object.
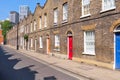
(70, 47)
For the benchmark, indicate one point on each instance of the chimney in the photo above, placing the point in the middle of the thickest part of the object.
(38, 4)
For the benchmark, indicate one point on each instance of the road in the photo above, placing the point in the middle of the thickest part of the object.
(15, 66)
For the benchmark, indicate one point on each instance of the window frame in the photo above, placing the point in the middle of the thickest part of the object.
(83, 14)
(55, 15)
(31, 42)
(40, 22)
(26, 28)
(35, 25)
(65, 12)
(107, 9)
(45, 20)
(87, 51)
(21, 40)
(57, 42)
(40, 42)
(31, 27)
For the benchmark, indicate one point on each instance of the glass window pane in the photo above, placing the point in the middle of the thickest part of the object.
(89, 42)
(65, 11)
(85, 7)
(55, 15)
(108, 4)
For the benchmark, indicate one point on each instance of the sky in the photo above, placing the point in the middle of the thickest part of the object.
(13, 5)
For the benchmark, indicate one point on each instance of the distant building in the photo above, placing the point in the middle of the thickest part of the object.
(1, 36)
(14, 17)
(23, 11)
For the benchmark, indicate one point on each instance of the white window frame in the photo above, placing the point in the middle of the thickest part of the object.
(83, 9)
(108, 5)
(21, 29)
(27, 29)
(89, 39)
(55, 15)
(45, 21)
(40, 42)
(40, 23)
(31, 28)
(31, 42)
(21, 41)
(35, 25)
(65, 11)
(25, 43)
(57, 42)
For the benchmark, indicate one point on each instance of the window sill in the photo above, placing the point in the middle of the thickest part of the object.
(55, 24)
(64, 21)
(57, 50)
(106, 10)
(88, 53)
(84, 16)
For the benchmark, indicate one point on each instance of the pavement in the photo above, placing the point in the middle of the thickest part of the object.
(88, 71)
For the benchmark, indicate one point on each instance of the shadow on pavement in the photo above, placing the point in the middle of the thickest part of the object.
(7, 71)
(50, 78)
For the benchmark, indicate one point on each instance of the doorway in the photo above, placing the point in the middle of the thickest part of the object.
(48, 45)
(117, 48)
(117, 51)
(70, 48)
(69, 45)
(35, 44)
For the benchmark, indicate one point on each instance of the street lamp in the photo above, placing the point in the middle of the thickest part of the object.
(17, 38)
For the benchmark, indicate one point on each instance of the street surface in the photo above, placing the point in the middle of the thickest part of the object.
(15, 66)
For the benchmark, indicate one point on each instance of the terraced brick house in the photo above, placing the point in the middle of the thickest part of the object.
(82, 30)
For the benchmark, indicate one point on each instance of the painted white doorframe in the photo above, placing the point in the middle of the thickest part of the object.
(114, 52)
(35, 44)
(67, 47)
(47, 44)
(28, 45)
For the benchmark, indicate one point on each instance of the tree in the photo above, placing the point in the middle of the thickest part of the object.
(6, 26)
(26, 39)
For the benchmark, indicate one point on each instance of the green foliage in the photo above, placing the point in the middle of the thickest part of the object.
(6, 26)
(26, 37)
